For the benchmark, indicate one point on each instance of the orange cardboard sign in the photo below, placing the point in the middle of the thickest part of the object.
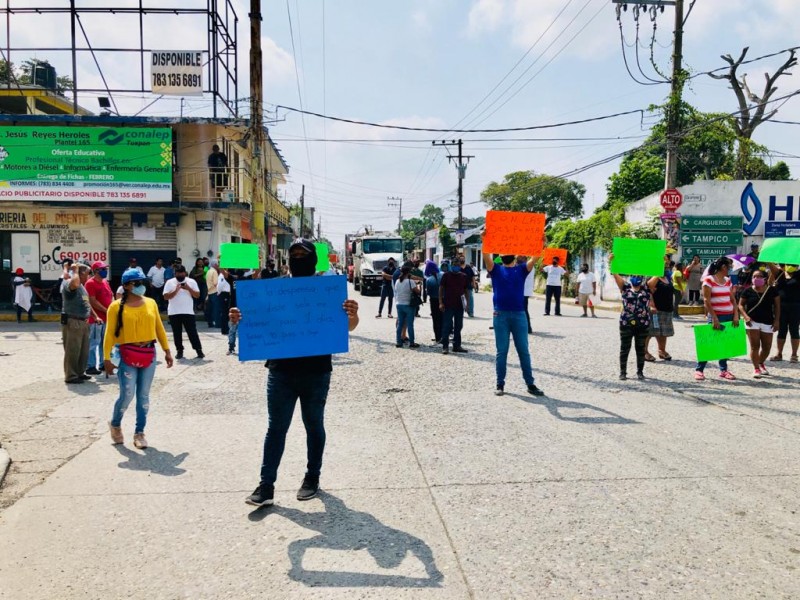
(516, 233)
(551, 253)
(333, 258)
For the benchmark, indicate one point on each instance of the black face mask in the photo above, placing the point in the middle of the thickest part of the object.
(585, 270)
(303, 266)
(180, 278)
(508, 259)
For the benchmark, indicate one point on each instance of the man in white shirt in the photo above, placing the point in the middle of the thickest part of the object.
(181, 292)
(156, 276)
(587, 286)
(555, 273)
(527, 289)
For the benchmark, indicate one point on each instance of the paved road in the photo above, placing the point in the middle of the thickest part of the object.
(434, 487)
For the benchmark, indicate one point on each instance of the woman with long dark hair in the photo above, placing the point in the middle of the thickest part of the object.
(721, 307)
(405, 290)
(134, 324)
(760, 307)
(634, 321)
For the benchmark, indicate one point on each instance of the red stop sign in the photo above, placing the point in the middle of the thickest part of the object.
(671, 199)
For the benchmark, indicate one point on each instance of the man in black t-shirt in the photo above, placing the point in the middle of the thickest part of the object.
(387, 287)
(269, 271)
(307, 379)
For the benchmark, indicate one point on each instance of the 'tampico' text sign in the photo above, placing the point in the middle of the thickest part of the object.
(551, 253)
(638, 257)
(716, 344)
(780, 250)
(292, 317)
(516, 233)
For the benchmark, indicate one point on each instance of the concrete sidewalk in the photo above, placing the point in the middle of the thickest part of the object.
(434, 487)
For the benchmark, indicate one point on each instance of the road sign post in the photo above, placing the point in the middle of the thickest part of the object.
(711, 238)
(713, 223)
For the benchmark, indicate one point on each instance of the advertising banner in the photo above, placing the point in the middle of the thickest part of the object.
(176, 72)
(86, 164)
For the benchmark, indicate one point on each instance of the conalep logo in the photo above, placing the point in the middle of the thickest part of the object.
(751, 219)
(111, 137)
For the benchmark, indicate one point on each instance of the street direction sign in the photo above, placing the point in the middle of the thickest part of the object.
(705, 253)
(711, 238)
(711, 223)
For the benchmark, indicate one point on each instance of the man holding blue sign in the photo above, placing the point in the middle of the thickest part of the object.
(305, 377)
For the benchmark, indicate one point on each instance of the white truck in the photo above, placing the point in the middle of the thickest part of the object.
(369, 255)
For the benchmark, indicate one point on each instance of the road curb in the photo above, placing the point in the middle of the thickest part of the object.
(5, 463)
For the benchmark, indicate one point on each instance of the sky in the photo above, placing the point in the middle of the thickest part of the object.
(446, 64)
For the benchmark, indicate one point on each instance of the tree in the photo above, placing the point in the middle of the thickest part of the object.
(527, 191)
(63, 82)
(447, 240)
(751, 115)
(432, 214)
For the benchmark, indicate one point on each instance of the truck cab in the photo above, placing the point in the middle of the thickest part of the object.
(371, 253)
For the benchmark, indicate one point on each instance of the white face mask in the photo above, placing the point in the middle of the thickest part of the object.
(139, 290)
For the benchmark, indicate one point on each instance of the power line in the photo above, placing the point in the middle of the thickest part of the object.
(299, 94)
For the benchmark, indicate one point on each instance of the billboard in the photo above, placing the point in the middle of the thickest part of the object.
(176, 73)
(86, 164)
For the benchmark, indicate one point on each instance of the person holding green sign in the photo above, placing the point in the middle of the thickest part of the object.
(634, 321)
(721, 307)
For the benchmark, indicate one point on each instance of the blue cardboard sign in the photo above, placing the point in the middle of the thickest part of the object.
(782, 229)
(292, 317)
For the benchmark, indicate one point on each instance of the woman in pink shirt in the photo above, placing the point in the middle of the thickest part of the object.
(721, 307)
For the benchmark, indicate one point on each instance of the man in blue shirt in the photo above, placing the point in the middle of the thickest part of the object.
(432, 286)
(508, 283)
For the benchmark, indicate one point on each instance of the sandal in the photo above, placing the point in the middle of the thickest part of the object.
(777, 358)
(793, 358)
(649, 357)
(664, 356)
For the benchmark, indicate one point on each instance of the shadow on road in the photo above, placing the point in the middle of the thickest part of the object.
(152, 460)
(341, 528)
(554, 407)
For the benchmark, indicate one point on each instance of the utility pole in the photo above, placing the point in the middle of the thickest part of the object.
(395, 201)
(319, 229)
(462, 172)
(302, 208)
(673, 117)
(256, 124)
(677, 81)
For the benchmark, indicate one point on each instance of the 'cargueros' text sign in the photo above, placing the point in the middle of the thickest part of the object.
(176, 72)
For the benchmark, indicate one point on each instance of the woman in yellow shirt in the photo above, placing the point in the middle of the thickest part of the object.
(133, 323)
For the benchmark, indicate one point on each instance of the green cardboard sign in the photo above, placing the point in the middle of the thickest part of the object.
(323, 261)
(780, 250)
(638, 257)
(716, 344)
(239, 256)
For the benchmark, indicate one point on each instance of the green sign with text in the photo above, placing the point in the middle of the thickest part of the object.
(88, 164)
(711, 238)
(711, 223)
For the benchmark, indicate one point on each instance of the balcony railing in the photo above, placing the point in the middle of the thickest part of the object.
(201, 185)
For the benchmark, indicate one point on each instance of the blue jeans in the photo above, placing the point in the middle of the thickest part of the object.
(723, 363)
(96, 333)
(212, 310)
(233, 330)
(452, 320)
(133, 382)
(283, 390)
(405, 317)
(508, 323)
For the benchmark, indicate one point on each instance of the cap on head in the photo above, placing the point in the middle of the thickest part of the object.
(99, 264)
(19, 271)
(132, 275)
(305, 244)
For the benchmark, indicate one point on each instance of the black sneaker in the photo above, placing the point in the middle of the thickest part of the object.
(499, 391)
(200, 354)
(532, 389)
(309, 489)
(460, 350)
(263, 496)
(85, 377)
(93, 371)
(414, 345)
(640, 375)
(179, 355)
(623, 376)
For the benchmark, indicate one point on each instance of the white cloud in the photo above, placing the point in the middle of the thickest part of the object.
(421, 20)
(278, 63)
(486, 15)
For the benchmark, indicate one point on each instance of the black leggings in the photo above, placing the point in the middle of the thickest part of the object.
(637, 335)
(790, 321)
(694, 295)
